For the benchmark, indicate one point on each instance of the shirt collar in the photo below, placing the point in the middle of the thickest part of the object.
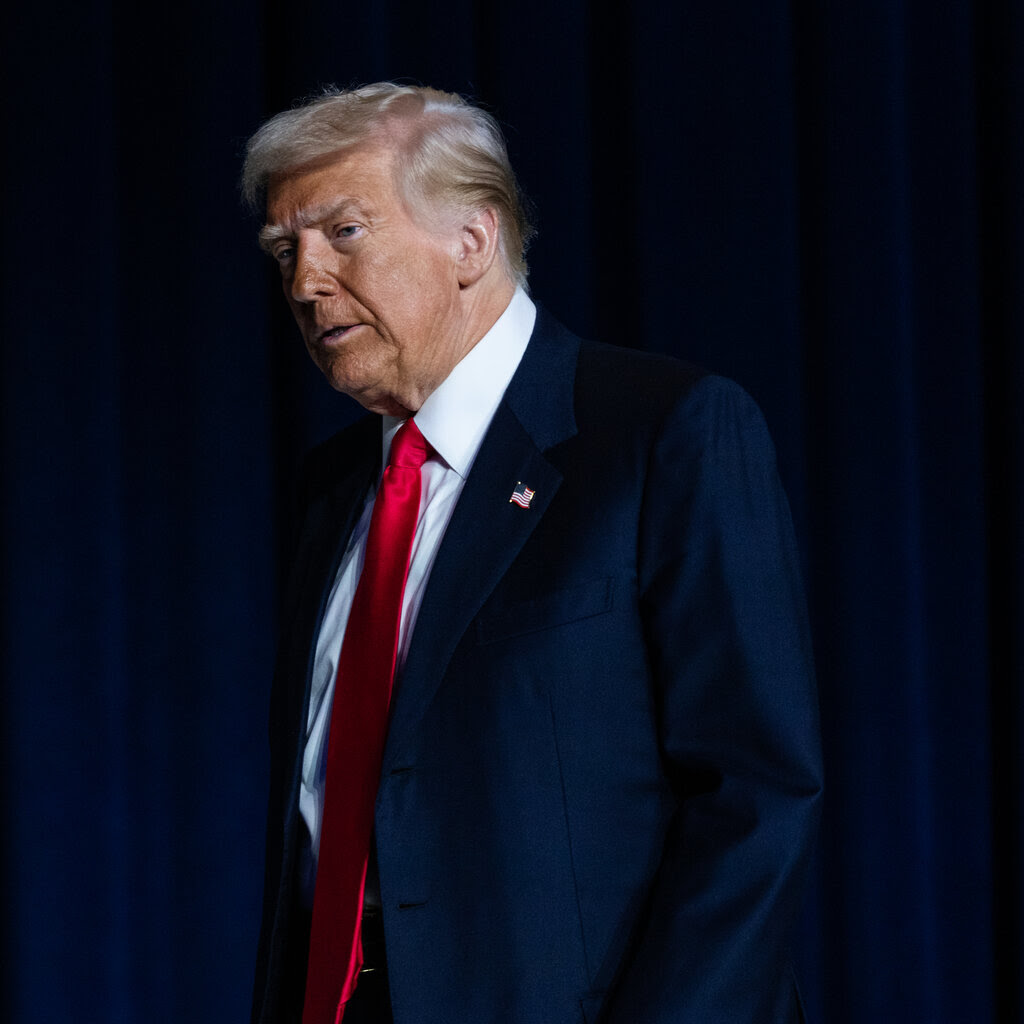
(456, 415)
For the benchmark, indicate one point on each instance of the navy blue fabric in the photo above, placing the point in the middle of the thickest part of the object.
(820, 200)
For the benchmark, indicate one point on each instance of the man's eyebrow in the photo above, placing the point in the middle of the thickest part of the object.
(271, 233)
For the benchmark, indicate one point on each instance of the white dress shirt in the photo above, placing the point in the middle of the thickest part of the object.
(454, 420)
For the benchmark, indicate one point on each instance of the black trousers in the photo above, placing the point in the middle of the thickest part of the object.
(371, 1001)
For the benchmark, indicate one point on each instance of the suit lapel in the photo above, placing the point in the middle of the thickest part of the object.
(487, 530)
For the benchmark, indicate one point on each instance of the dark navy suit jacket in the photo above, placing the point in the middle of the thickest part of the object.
(602, 772)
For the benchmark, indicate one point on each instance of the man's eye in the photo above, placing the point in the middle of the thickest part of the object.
(284, 253)
(347, 231)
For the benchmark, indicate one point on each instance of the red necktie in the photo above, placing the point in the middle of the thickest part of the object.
(355, 745)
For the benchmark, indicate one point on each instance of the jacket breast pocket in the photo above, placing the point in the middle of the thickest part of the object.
(546, 611)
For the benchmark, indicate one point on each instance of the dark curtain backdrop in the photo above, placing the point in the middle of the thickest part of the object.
(822, 200)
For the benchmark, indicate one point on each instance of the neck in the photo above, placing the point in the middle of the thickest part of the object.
(483, 311)
(482, 305)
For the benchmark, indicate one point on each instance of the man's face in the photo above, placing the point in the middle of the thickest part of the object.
(374, 293)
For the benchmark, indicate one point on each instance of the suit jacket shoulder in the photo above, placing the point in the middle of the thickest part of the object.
(633, 387)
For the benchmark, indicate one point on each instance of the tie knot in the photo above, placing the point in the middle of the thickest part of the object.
(409, 449)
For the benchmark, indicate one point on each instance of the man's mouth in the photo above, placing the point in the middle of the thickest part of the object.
(334, 334)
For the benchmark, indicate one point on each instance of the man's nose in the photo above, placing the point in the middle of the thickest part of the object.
(312, 278)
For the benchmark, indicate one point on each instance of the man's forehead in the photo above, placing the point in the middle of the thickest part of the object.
(353, 181)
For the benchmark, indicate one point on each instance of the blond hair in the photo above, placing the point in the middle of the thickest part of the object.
(452, 155)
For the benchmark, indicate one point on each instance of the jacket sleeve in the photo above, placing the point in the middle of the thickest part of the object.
(729, 649)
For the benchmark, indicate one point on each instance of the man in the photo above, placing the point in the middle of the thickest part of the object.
(543, 725)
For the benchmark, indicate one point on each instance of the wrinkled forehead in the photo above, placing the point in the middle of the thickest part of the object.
(360, 178)
(368, 178)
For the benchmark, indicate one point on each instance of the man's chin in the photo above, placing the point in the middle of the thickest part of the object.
(344, 384)
(342, 373)
(369, 395)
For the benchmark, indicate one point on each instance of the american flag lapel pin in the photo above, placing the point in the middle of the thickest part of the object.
(522, 495)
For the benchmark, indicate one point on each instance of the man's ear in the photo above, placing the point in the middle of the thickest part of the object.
(477, 246)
